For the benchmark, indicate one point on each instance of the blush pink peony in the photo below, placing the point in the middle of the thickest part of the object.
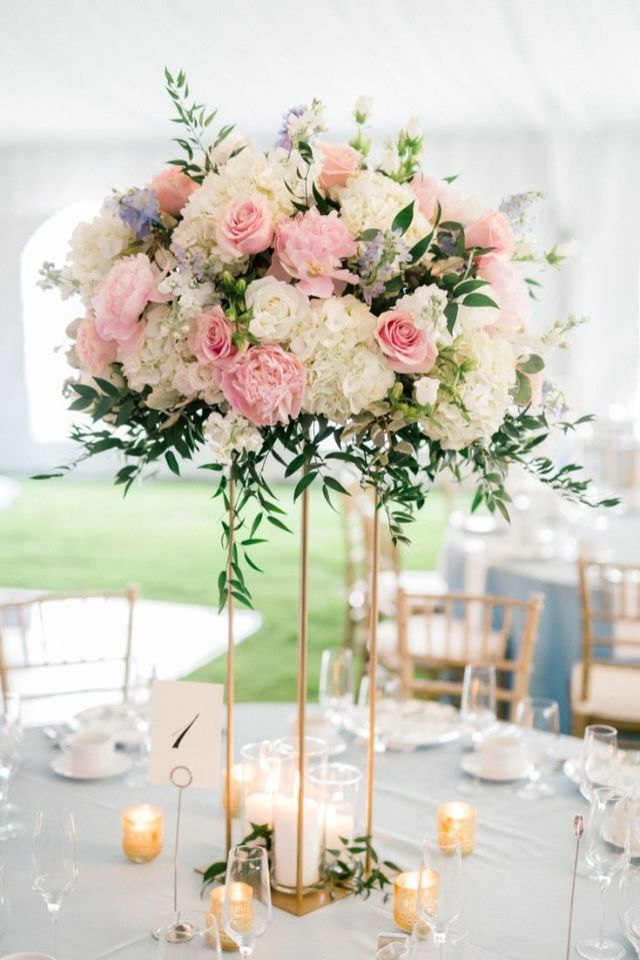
(492, 230)
(509, 290)
(338, 163)
(92, 351)
(211, 341)
(407, 348)
(173, 188)
(309, 248)
(245, 226)
(129, 286)
(265, 385)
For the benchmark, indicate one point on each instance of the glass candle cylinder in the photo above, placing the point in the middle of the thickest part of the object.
(338, 786)
(286, 809)
(406, 887)
(142, 832)
(237, 777)
(240, 899)
(260, 778)
(457, 821)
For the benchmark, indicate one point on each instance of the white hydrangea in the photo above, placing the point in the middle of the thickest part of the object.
(191, 296)
(231, 433)
(346, 372)
(426, 305)
(484, 392)
(371, 200)
(278, 309)
(222, 153)
(194, 379)
(93, 247)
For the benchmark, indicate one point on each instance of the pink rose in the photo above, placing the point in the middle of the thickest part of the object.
(408, 348)
(338, 163)
(212, 341)
(509, 289)
(492, 230)
(122, 295)
(92, 351)
(245, 226)
(309, 247)
(265, 385)
(173, 188)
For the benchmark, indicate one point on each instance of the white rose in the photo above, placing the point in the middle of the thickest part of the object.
(425, 391)
(278, 309)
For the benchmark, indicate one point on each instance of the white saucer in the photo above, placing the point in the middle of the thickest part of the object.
(121, 764)
(407, 724)
(471, 766)
(116, 719)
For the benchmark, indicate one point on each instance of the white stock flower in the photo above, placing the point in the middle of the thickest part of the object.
(222, 153)
(231, 433)
(425, 391)
(191, 296)
(571, 248)
(93, 247)
(427, 305)
(414, 128)
(371, 200)
(362, 109)
(278, 309)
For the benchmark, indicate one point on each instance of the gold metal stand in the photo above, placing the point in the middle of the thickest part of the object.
(231, 493)
(373, 668)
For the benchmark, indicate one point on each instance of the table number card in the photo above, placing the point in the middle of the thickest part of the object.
(186, 728)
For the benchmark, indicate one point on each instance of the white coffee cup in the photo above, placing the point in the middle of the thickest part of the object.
(89, 752)
(502, 754)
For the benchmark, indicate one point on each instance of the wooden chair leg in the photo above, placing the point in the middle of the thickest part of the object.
(578, 724)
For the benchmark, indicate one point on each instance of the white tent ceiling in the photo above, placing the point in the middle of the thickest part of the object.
(92, 69)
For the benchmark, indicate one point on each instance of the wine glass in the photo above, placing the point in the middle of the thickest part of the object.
(605, 857)
(11, 742)
(336, 683)
(478, 710)
(539, 717)
(388, 694)
(247, 897)
(599, 758)
(629, 903)
(139, 722)
(54, 869)
(4, 901)
(440, 900)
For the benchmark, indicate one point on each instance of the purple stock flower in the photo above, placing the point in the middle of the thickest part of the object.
(283, 139)
(138, 209)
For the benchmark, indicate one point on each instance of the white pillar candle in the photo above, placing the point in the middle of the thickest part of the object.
(336, 825)
(285, 833)
(258, 809)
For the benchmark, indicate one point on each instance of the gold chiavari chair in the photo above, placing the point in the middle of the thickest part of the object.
(605, 684)
(65, 651)
(439, 635)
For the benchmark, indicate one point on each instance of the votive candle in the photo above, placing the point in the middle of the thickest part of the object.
(142, 832)
(457, 821)
(406, 887)
(240, 896)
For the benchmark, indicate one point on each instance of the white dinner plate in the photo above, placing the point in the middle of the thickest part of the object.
(471, 765)
(629, 769)
(121, 764)
(115, 719)
(407, 724)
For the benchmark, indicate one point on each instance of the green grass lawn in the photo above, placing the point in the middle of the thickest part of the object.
(81, 534)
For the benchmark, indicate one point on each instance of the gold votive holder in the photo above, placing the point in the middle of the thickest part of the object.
(406, 889)
(457, 821)
(237, 779)
(142, 832)
(240, 897)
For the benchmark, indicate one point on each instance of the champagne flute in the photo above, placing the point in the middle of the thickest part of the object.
(336, 683)
(599, 759)
(11, 742)
(54, 868)
(478, 709)
(539, 717)
(629, 903)
(605, 858)
(440, 900)
(247, 897)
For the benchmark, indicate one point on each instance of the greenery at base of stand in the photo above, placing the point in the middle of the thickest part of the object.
(342, 869)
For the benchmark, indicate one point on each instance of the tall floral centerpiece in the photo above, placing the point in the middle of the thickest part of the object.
(317, 304)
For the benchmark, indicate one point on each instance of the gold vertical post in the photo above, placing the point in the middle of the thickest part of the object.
(231, 492)
(302, 687)
(373, 667)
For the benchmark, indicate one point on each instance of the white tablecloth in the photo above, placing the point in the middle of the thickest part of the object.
(516, 883)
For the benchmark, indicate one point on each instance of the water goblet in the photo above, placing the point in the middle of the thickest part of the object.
(336, 687)
(539, 718)
(599, 759)
(247, 897)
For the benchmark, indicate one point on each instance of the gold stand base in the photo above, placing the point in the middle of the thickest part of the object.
(314, 900)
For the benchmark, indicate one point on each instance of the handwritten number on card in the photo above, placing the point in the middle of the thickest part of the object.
(183, 732)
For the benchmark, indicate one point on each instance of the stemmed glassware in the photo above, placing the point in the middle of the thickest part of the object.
(11, 740)
(440, 901)
(606, 857)
(599, 759)
(54, 868)
(247, 897)
(629, 903)
(478, 710)
(139, 722)
(539, 717)
(336, 684)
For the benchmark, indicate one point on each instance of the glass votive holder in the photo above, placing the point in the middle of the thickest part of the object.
(142, 832)
(406, 890)
(240, 895)
(261, 776)
(457, 821)
(337, 786)
(237, 777)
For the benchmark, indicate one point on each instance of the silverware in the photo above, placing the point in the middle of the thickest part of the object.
(578, 830)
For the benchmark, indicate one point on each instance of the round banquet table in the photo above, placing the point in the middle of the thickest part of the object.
(516, 883)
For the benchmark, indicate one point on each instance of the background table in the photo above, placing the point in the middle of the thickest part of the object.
(516, 883)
